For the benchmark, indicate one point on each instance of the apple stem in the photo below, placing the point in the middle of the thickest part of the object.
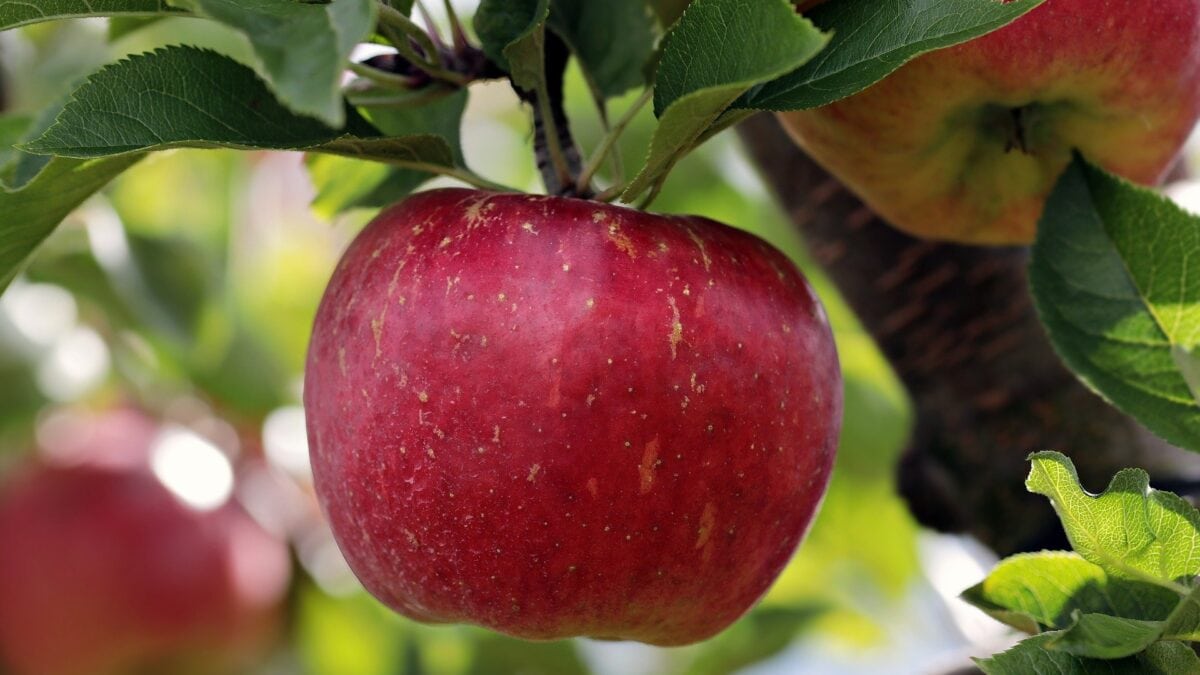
(558, 157)
(610, 140)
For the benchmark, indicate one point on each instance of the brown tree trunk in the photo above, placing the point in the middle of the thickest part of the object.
(958, 325)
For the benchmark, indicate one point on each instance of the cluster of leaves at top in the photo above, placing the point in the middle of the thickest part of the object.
(1125, 601)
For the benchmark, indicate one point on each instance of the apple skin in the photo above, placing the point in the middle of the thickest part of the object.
(931, 147)
(554, 417)
(105, 572)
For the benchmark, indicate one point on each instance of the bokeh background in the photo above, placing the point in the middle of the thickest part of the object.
(187, 290)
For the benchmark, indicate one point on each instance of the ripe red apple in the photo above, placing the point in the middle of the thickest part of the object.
(103, 571)
(554, 417)
(965, 143)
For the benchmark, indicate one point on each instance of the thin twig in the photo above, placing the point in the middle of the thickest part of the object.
(458, 35)
(609, 143)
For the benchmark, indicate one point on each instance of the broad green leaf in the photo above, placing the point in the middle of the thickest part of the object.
(1100, 636)
(14, 13)
(1036, 591)
(513, 35)
(1131, 530)
(613, 40)
(705, 67)
(347, 183)
(1032, 657)
(29, 215)
(302, 46)
(873, 39)
(1116, 277)
(188, 97)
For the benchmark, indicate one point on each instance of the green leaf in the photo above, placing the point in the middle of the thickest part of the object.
(1034, 591)
(495, 654)
(705, 66)
(32, 213)
(873, 39)
(302, 46)
(1033, 657)
(188, 97)
(1188, 362)
(12, 130)
(1115, 274)
(344, 184)
(14, 13)
(1131, 530)
(761, 634)
(613, 40)
(513, 35)
(1184, 622)
(1100, 636)
(119, 27)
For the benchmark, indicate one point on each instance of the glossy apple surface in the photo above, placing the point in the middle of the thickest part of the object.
(965, 143)
(554, 417)
(104, 571)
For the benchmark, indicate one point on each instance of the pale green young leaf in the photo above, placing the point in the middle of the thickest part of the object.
(705, 67)
(14, 13)
(1130, 530)
(1184, 622)
(301, 46)
(1037, 591)
(873, 39)
(1100, 636)
(1115, 274)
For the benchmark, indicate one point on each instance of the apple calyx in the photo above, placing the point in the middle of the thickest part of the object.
(1018, 131)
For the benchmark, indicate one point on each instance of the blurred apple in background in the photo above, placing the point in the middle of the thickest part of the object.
(124, 552)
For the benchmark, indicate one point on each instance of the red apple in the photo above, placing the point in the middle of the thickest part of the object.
(554, 417)
(103, 571)
(965, 143)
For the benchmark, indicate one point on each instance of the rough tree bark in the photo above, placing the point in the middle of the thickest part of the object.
(958, 325)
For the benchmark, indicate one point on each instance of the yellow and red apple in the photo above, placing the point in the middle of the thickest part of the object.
(965, 143)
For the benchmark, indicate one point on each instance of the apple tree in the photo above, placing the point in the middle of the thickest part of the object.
(571, 414)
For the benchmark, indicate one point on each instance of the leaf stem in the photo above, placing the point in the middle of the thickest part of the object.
(431, 62)
(383, 77)
(653, 194)
(608, 144)
(458, 34)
